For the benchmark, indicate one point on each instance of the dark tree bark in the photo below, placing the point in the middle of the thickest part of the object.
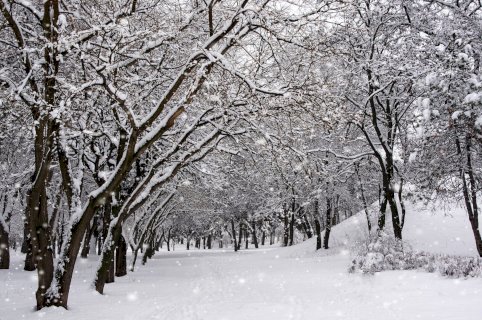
(149, 252)
(271, 235)
(255, 238)
(121, 259)
(286, 234)
(54, 219)
(240, 234)
(318, 234)
(470, 193)
(246, 241)
(210, 239)
(328, 224)
(4, 247)
(99, 244)
(263, 237)
(168, 239)
(317, 226)
(61, 231)
(233, 230)
(86, 246)
(110, 275)
(382, 214)
(41, 242)
(29, 264)
(292, 228)
(306, 224)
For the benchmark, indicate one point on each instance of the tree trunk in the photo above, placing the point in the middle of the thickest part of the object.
(307, 226)
(210, 239)
(328, 224)
(37, 208)
(29, 264)
(263, 237)
(86, 246)
(233, 229)
(106, 271)
(292, 228)
(121, 258)
(134, 259)
(246, 242)
(397, 228)
(168, 239)
(318, 234)
(110, 276)
(470, 196)
(240, 235)
(286, 234)
(149, 252)
(382, 214)
(255, 238)
(4, 246)
(317, 226)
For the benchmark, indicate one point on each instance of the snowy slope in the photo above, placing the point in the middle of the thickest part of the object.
(438, 228)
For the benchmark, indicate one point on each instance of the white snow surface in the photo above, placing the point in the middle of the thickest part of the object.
(271, 282)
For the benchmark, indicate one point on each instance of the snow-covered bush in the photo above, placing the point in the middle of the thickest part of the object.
(379, 253)
(384, 252)
(458, 267)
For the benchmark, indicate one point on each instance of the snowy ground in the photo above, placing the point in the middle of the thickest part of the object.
(271, 283)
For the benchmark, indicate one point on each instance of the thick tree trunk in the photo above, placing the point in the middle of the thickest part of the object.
(58, 293)
(263, 237)
(110, 275)
(255, 238)
(382, 214)
(397, 228)
(134, 259)
(318, 234)
(470, 195)
(121, 258)
(86, 246)
(328, 224)
(307, 226)
(210, 239)
(106, 271)
(29, 264)
(37, 210)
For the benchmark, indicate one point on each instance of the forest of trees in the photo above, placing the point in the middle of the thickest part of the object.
(131, 125)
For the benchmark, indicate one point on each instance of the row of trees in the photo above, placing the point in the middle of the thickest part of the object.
(125, 125)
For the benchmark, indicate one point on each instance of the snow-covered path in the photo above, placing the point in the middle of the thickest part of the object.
(252, 284)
